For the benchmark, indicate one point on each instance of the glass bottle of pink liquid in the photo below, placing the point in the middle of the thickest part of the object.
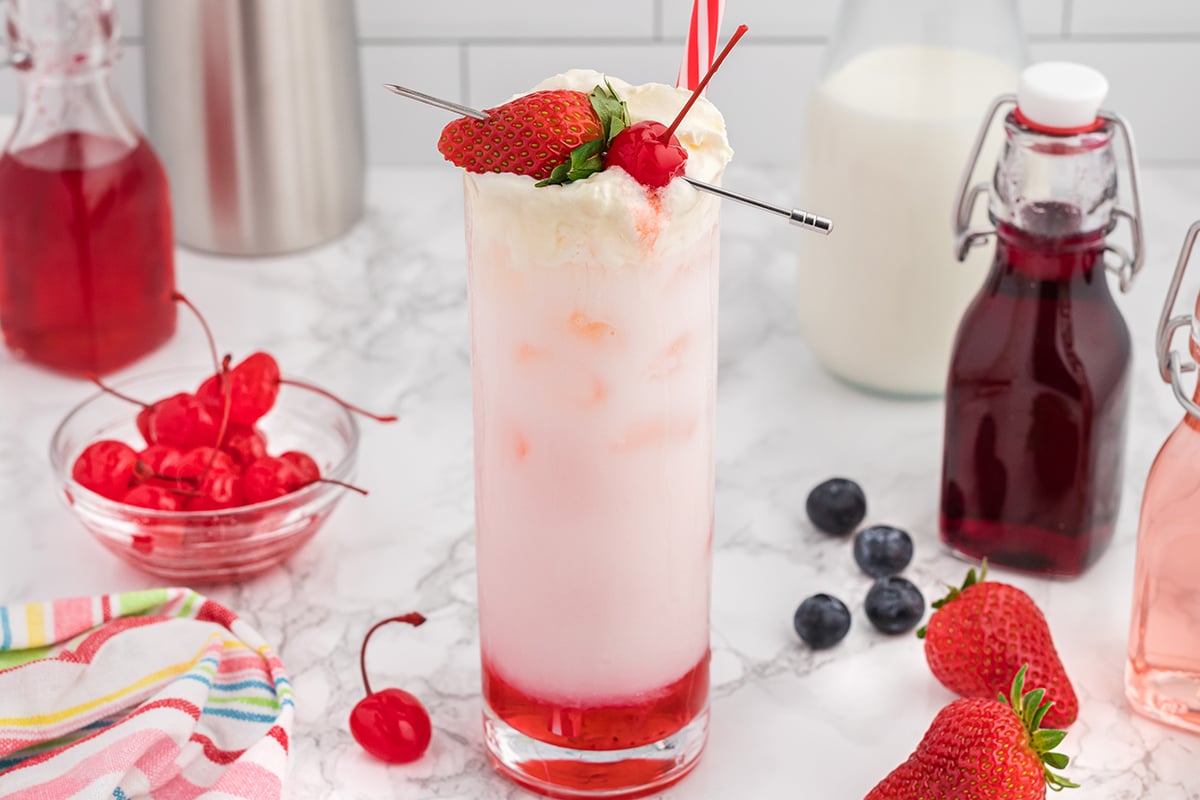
(1038, 389)
(87, 252)
(1162, 675)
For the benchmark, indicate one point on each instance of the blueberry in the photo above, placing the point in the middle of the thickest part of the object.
(894, 605)
(822, 621)
(882, 550)
(836, 506)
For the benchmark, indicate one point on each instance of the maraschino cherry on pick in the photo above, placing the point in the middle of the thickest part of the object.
(390, 724)
(650, 151)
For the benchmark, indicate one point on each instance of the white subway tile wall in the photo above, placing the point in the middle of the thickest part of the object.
(482, 52)
(1154, 18)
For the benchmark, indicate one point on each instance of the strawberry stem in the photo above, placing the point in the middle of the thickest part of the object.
(1030, 708)
(414, 619)
(738, 34)
(109, 390)
(348, 406)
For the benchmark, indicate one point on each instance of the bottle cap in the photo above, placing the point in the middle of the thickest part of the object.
(1061, 97)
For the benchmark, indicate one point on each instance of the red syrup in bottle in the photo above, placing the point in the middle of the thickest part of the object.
(86, 252)
(1037, 394)
(1036, 405)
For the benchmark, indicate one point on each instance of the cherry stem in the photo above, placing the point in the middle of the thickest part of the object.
(109, 390)
(738, 34)
(338, 400)
(142, 472)
(178, 297)
(413, 618)
(227, 385)
(343, 484)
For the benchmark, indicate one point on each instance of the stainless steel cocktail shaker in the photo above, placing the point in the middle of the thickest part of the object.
(255, 107)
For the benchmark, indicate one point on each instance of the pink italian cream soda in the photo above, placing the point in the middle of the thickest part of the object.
(593, 306)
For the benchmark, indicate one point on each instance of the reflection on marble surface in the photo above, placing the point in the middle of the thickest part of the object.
(381, 316)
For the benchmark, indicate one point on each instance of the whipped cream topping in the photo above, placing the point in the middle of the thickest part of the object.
(607, 219)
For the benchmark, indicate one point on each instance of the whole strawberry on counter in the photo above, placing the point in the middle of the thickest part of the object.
(979, 749)
(982, 633)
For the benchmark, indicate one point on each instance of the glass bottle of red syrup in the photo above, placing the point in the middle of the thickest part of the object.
(1038, 389)
(86, 247)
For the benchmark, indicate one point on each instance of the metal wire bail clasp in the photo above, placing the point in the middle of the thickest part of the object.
(1171, 363)
(966, 237)
(1128, 265)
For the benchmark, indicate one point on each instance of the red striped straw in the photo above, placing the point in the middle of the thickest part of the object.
(701, 42)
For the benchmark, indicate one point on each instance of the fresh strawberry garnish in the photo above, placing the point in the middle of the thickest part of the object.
(530, 135)
(984, 632)
(979, 749)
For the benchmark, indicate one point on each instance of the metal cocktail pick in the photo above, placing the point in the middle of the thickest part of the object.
(17, 59)
(796, 216)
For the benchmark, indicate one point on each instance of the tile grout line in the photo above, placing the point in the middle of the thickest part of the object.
(768, 40)
(1066, 19)
(573, 41)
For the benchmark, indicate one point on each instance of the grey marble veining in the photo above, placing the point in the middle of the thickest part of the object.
(380, 315)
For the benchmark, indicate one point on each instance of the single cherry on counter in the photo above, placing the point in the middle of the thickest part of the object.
(390, 724)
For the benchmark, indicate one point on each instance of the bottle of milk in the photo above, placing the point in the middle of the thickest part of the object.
(888, 129)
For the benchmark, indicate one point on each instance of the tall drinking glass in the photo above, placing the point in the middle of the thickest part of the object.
(593, 338)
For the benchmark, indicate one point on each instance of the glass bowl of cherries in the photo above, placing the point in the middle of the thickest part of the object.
(202, 475)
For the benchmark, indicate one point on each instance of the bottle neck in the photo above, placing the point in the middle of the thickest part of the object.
(1054, 187)
(1043, 258)
(67, 48)
(989, 28)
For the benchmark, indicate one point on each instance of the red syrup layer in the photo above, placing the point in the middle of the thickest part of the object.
(87, 253)
(636, 721)
(573, 779)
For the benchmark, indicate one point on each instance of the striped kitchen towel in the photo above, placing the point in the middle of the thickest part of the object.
(161, 694)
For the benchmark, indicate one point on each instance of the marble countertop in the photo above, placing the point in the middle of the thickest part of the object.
(380, 315)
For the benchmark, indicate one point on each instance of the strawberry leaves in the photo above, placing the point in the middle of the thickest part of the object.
(1030, 708)
(954, 592)
(612, 111)
(588, 158)
(584, 161)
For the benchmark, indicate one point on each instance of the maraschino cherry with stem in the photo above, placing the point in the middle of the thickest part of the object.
(650, 151)
(270, 477)
(204, 451)
(390, 724)
(254, 386)
(180, 421)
